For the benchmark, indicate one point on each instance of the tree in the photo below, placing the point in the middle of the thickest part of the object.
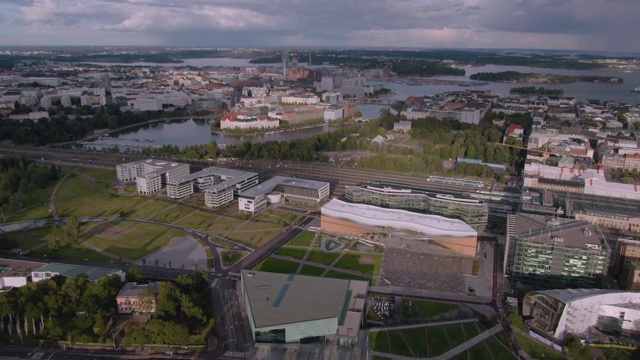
(134, 274)
(72, 230)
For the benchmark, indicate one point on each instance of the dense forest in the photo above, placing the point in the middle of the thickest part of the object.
(78, 310)
(19, 182)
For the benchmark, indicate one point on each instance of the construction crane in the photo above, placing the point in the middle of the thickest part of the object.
(545, 153)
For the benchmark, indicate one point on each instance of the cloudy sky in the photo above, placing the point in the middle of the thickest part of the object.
(604, 25)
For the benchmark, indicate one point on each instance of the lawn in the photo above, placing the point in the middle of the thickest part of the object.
(352, 262)
(25, 239)
(148, 209)
(254, 239)
(498, 349)
(132, 240)
(95, 204)
(416, 337)
(413, 309)
(470, 329)
(437, 340)
(516, 320)
(454, 334)
(305, 238)
(223, 224)
(98, 174)
(33, 213)
(322, 258)
(277, 266)
(196, 220)
(172, 214)
(311, 270)
(292, 252)
(399, 345)
(536, 350)
(380, 342)
(230, 257)
(74, 185)
(77, 252)
(340, 275)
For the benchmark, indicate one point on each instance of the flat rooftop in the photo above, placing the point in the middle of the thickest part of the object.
(161, 166)
(277, 299)
(566, 232)
(132, 289)
(72, 271)
(11, 267)
(269, 185)
(228, 174)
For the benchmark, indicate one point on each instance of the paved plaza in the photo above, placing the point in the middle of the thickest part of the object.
(424, 271)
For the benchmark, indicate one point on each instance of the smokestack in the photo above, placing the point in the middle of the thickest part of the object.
(309, 58)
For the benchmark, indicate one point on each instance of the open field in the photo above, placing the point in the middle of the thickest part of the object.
(76, 252)
(254, 239)
(85, 205)
(26, 239)
(223, 224)
(132, 240)
(277, 266)
(74, 185)
(33, 213)
(413, 309)
(492, 348)
(305, 238)
(98, 174)
(172, 213)
(147, 209)
(197, 220)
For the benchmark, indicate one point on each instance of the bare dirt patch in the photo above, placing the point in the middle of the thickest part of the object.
(366, 260)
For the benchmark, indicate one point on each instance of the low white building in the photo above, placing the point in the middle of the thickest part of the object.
(274, 190)
(151, 175)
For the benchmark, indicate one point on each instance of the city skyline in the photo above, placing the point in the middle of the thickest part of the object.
(593, 25)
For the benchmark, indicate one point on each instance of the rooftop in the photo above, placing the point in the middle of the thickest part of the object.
(132, 289)
(277, 299)
(559, 232)
(227, 174)
(269, 185)
(72, 271)
(11, 267)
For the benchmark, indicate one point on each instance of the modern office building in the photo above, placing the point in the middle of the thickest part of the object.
(295, 308)
(557, 313)
(545, 252)
(218, 184)
(293, 190)
(474, 212)
(151, 175)
(358, 219)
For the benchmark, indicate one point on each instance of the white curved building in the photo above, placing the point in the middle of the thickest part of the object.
(342, 217)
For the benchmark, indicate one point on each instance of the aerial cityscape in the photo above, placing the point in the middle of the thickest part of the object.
(301, 180)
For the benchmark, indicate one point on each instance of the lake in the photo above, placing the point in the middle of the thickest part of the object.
(194, 132)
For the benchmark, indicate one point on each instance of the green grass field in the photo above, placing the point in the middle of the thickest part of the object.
(254, 239)
(311, 270)
(454, 334)
(197, 220)
(98, 174)
(147, 209)
(277, 266)
(340, 275)
(76, 252)
(413, 309)
(132, 240)
(535, 350)
(33, 213)
(516, 320)
(95, 204)
(491, 348)
(295, 253)
(172, 213)
(74, 185)
(230, 257)
(351, 261)
(223, 224)
(320, 257)
(305, 238)
(25, 239)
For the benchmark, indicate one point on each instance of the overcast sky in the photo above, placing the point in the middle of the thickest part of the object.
(604, 25)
